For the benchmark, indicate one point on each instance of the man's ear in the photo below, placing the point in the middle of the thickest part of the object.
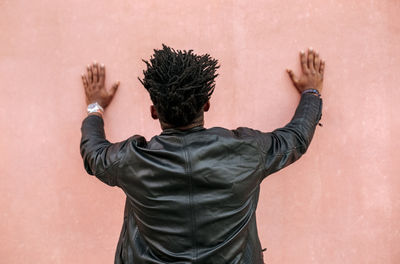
(206, 106)
(153, 112)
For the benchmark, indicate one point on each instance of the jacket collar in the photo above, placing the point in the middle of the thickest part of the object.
(170, 131)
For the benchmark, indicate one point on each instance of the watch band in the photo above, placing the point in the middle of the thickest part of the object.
(95, 108)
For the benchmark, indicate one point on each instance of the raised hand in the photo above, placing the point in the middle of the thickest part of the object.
(312, 75)
(93, 83)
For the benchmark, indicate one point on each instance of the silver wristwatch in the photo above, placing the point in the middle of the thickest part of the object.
(95, 108)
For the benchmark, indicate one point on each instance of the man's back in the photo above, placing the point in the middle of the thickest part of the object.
(193, 195)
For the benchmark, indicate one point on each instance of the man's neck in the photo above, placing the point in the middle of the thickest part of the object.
(199, 121)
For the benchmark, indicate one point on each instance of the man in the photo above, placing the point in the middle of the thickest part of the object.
(192, 192)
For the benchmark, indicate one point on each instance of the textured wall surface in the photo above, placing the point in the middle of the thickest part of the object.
(340, 203)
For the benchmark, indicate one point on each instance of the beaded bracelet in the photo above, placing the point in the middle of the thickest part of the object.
(311, 91)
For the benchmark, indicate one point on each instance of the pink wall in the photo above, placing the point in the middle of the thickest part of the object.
(339, 204)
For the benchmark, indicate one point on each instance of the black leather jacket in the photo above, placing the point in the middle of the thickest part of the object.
(191, 196)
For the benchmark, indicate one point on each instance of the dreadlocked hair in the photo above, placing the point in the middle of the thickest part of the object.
(179, 83)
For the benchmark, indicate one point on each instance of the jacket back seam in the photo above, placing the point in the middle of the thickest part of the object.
(188, 170)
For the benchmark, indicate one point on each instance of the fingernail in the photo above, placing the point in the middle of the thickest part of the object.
(302, 51)
(102, 65)
(310, 48)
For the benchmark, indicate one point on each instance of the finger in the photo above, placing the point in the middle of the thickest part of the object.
(322, 68)
(303, 61)
(310, 60)
(89, 74)
(114, 88)
(317, 62)
(95, 70)
(102, 74)
(292, 76)
(84, 81)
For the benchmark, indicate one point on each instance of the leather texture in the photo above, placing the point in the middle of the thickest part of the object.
(191, 196)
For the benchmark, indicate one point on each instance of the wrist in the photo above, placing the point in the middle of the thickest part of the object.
(94, 101)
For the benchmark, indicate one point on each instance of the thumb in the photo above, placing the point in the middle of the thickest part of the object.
(114, 88)
(292, 76)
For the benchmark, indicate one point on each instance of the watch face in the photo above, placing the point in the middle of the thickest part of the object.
(93, 107)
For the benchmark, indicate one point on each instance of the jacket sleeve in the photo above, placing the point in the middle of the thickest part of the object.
(285, 145)
(100, 157)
